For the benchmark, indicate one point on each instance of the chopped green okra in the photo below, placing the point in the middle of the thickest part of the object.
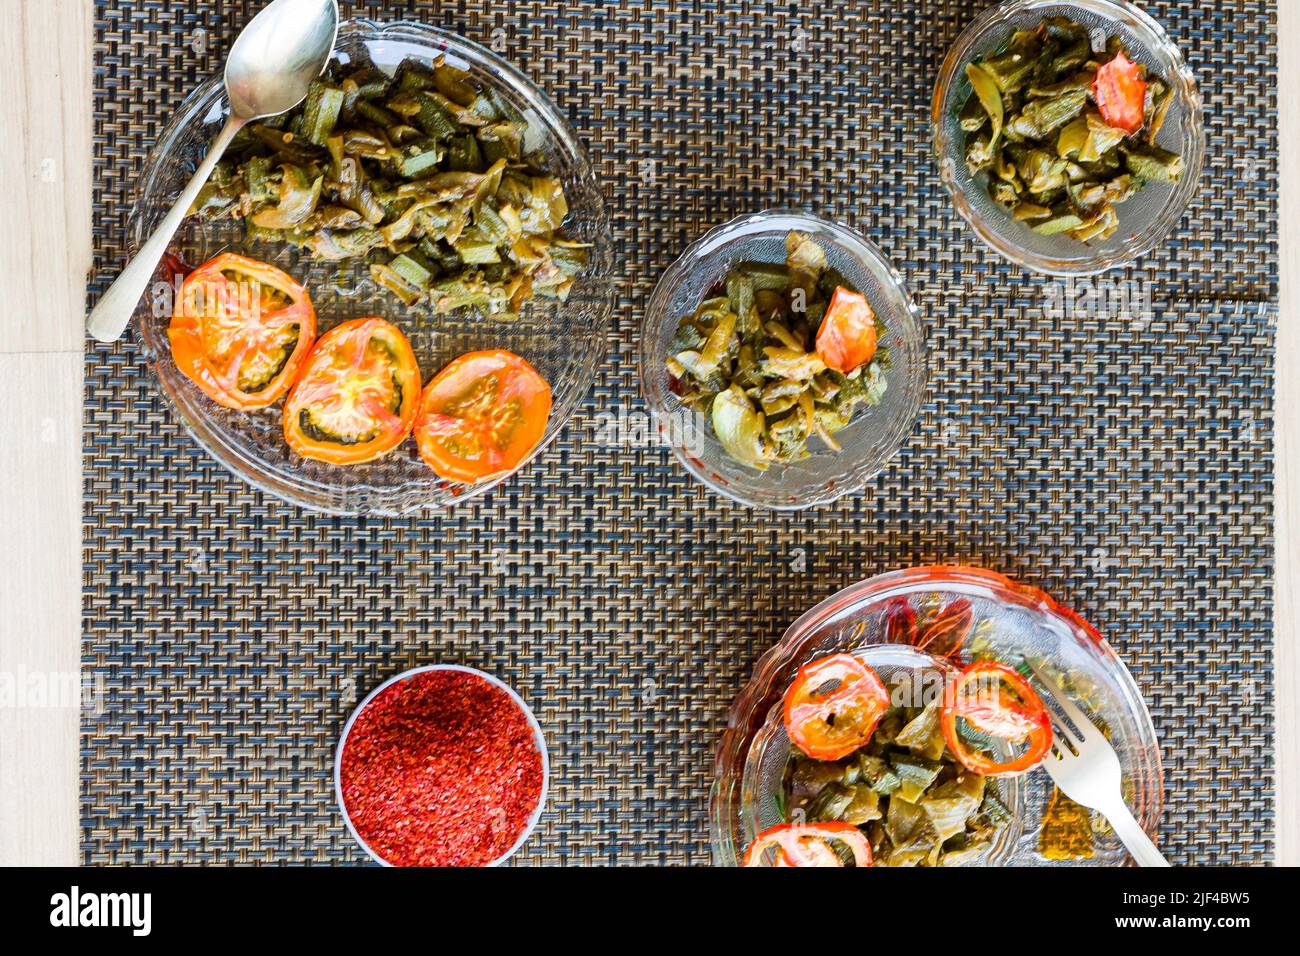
(913, 800)
(321, 112)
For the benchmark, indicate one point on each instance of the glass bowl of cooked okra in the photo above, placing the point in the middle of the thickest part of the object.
(783, 359)
(426, 183)
(1069, 135)
(853, 732)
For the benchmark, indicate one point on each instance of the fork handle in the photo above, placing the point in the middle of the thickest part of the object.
(1132, 835)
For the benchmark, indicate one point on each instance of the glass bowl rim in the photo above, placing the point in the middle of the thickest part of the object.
(1155, 38)
(311, 494)
(538, 738)
(759, 223)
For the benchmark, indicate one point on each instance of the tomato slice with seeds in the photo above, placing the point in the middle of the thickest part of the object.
(847, 337)
(833, 706)
(1121, 94)
(808, 844)
(482, 416)
(997, 702)
(241, 330)
(357, 395)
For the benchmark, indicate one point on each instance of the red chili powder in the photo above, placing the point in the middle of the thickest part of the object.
(441, 769)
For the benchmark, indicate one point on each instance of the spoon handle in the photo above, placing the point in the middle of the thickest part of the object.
(113, 313)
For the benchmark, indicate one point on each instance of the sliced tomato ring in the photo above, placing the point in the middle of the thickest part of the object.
(998, 702)
(1121, 94)
(808, 844)
(357, 395)
(833, 706)
(241, 330)
(847, 337)
(482, 416)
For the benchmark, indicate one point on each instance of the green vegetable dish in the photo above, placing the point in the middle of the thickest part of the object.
(425, 175)
(1063, 134)
(913, 800)
(778, 353)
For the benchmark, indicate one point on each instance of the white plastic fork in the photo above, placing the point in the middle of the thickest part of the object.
(1084, 765)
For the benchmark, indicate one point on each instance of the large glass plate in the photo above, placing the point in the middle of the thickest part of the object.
(1010, 622)
(563, 341)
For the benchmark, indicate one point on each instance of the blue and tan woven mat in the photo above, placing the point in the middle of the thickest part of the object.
(1124, 466)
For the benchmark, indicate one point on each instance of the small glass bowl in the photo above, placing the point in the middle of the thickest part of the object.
(565, 342)
(875, 433)
(1014, 622)
(1147, 218)
(538, 738)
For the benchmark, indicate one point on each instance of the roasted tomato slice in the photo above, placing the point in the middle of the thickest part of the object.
(997, 702)
(808, 844)
(833, 706)
(481, 416)
(1121, 94)
(241, 330)
(847, 337)
(357, 395)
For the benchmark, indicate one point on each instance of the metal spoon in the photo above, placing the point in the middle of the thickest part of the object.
(268, 72)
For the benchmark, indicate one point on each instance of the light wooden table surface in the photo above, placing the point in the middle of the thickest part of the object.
(45, 251)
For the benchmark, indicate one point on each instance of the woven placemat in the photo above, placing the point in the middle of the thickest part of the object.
(1125, 466)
